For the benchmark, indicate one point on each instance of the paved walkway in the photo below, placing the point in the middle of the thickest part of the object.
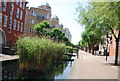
(4, 57)
(88, 66)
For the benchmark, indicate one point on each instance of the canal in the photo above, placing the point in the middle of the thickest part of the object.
(60, 70)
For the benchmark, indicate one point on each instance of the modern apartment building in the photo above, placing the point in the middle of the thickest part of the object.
(36, 15)
(12, 15)
(68, 34)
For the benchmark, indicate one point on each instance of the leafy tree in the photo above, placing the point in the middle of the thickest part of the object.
(42, 28)
(103, 17)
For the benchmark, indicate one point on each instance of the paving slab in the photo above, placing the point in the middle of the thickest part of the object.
(88, 66)
(4, 57)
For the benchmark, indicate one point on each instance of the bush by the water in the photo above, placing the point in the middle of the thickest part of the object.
(37, 53)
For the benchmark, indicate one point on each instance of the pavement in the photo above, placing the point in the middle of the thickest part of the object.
(4, 57)
(88, 66)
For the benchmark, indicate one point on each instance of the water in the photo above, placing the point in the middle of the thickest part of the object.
(10, 70)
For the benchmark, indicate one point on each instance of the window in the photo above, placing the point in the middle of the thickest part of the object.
(57, 26)
(31, 30)
(33, 13)
(11, 17)
(14, 25)
(10, 23)
(21, 13)
(18, 29)
(32, 21)
(17, 15)
(23, 6)
(25, 21)
(12, 4)
(5, 20)
(4, 6)
(17, 2)
(20, 4)
(0, 17)
(40, 16)
(11, 12)
(47, 16)
(25, 12)
(21, 30)
(53, 26)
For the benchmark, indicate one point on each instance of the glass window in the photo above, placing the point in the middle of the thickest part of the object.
(23, 6)
(53, 26)
(18, 29)
(21, 30)
(12, 4)
(0, 17)
(57, 26)
(32, 21)
(11, 17)
(25, 21)
(10, 23)
(25, 12)
(17, 15)
(40, 16)
(21, 13)
(11, 12)
(33, 13)
(15, 24)
(47, 16)
(5, 20)
(31, 30)
(4, 6)
(17, 2)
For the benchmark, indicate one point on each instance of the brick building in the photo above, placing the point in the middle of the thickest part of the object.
(12, 18)
(36, 15)
(112, 45)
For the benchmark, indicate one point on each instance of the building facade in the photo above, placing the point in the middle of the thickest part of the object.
(68, 34)
(112, 45)
(12, 18)
(36, 15)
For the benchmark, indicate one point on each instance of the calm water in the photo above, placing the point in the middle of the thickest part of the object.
(56, 71)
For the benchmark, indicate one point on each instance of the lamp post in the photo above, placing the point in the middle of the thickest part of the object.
(106, 47)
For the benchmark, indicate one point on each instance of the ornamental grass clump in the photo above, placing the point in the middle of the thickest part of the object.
(38, 53)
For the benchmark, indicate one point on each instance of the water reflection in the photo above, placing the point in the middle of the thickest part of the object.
(56, 70)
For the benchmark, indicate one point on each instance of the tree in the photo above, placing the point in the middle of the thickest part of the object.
(103, 17)
(42, 28)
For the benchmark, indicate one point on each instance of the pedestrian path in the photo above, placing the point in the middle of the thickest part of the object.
(88, 66)
(4, 57)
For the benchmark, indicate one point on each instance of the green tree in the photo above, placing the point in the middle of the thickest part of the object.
(103, 17)
(42, 28)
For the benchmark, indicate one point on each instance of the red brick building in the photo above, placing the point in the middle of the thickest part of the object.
(12, 18)
(112, 45)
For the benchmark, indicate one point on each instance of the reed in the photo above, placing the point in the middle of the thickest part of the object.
(37, 53)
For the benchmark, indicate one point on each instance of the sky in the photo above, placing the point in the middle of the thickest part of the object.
(65, 10)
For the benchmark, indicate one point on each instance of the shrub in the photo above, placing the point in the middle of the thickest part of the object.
(69, 49)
